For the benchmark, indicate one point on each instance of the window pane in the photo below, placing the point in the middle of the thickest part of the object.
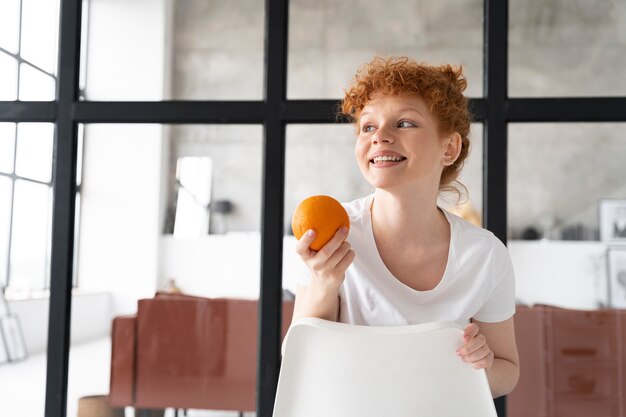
(470, 204)
(558, 174)
(7, 146)
(121, 220)
(24, 380)
(34, 151)
(236, 154)
(320, 160)
(329, 40)
(9, 24)
(8, 77)
(30, 238)
(5, 213)
(39, 33)
(189, 50)
(36, 85)
(565, 48)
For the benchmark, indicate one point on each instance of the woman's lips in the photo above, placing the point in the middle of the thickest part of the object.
(388, 160)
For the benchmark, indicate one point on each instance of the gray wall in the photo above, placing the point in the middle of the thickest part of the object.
(557, 172)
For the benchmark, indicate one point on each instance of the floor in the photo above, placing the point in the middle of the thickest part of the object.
(22, 384)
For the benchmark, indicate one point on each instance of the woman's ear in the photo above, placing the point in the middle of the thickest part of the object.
(452, 148)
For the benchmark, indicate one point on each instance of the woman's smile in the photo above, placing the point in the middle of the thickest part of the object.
(385, 159)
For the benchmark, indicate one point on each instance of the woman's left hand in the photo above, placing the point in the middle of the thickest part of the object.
(475, 349)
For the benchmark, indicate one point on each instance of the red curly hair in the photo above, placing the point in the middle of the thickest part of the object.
(441, 87)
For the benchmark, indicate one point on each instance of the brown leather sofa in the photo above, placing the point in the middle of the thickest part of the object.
(572, 363)
(181, 351)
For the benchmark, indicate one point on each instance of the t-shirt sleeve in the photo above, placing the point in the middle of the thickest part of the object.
(500, 301)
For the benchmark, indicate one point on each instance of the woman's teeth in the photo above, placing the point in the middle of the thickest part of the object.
(390, 158)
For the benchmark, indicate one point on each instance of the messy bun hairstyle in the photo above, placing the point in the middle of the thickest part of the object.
(441, 87)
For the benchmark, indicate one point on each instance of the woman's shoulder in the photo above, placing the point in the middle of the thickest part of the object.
(471, 235)
(475, 247)
(357, 208)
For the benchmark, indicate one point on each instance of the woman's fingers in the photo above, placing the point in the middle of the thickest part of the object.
(338, 255)
(302, 245)
(470, 331)
(478, 354)
(346, 260)
(333, 244)
(475, 350)
(332, 260)
(484, 362)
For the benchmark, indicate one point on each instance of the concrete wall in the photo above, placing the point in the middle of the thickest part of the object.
(557, 172)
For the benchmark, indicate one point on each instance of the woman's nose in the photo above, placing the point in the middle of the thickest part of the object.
(383, 135)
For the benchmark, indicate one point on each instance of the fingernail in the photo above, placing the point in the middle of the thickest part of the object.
(344, 230)
(458, 353)
(310, 233)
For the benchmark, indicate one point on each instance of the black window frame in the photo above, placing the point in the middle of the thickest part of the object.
(496, 110)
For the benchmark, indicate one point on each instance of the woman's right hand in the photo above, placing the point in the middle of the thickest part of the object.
(328, 265)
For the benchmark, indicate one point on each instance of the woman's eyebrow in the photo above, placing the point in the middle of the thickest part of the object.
(402, 109)
(415, 109)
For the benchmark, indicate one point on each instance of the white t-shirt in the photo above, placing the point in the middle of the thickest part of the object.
(478, 281)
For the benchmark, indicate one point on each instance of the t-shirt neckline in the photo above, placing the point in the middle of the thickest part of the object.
(379, 259)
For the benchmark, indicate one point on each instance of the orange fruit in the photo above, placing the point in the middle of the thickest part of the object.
(322, 213)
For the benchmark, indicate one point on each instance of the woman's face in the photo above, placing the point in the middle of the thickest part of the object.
(398, 143)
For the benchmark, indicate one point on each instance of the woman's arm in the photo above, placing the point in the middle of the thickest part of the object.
(316, 302)
(328, 269)
(492, 346)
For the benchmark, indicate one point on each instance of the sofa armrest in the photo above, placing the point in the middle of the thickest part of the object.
(123, 347)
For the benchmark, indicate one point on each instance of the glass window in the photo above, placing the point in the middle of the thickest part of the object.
(567, 48)
(7, 146)
(5, 218)
(208, 50)
(121, 219)
(39, 33)
(558, 176)
(36, 85)
(237, 166)
(9, 25)
(320, 160)
(328, 41)
(34, 151)
(558, 172)
(8, 77)
(31, 236)
(470, 204)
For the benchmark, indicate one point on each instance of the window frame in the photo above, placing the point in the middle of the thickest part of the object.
(496, 110)
(12, 176)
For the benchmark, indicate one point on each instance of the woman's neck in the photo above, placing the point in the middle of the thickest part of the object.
(409, 217)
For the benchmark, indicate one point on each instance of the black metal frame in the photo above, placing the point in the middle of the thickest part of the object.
(495, 110)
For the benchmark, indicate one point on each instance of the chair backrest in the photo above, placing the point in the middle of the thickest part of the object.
(339, 370)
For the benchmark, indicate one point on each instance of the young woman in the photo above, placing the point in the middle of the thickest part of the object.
(406, 260)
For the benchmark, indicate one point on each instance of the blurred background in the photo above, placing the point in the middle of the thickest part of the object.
(178, 207)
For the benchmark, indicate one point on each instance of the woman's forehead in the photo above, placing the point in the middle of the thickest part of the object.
(405, 102)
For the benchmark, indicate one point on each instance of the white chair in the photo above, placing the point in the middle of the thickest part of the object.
(339, 370)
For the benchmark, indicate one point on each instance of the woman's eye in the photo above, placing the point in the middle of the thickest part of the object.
(367, 128)
(405, 123)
